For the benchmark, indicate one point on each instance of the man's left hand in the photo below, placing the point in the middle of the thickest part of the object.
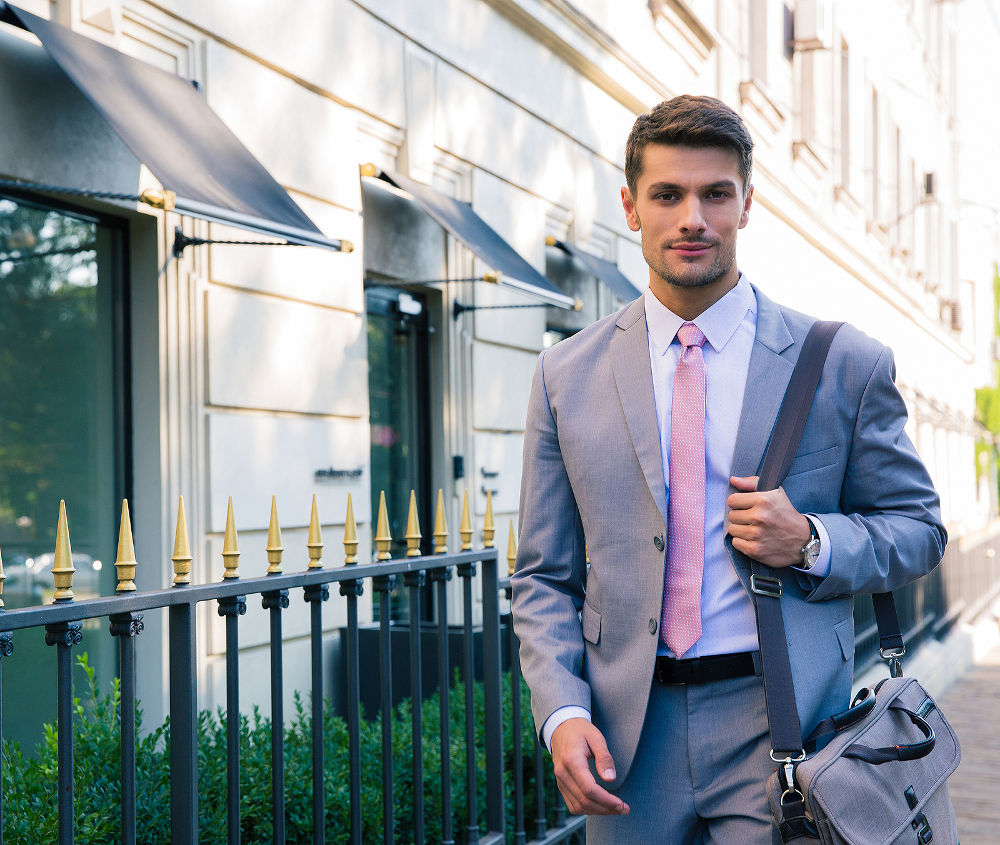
(765, 526)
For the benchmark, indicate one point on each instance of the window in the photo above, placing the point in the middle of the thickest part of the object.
(62, 420)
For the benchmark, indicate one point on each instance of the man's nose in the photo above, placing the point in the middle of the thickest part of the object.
(691, 219)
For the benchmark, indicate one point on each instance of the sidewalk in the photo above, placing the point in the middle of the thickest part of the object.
(971, 706)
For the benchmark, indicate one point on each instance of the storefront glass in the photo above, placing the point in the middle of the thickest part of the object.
(59, 431)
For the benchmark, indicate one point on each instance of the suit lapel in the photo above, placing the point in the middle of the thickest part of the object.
(767, 378)
(630, 361)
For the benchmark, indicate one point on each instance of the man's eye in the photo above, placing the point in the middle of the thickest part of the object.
(666, 195)
(718, 195)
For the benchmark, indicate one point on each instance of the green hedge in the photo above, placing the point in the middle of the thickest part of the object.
(29, 782)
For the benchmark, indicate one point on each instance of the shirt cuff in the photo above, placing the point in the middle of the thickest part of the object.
(821, 568)
(557, 717)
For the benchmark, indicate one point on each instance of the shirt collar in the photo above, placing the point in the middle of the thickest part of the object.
(718, 323)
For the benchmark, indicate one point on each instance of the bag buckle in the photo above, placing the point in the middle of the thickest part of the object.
(891, 656)
(766, 585)
(788, 766)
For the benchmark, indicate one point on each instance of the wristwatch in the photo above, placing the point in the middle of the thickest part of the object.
(810, 551)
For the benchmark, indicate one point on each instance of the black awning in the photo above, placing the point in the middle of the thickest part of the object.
(605, 270)
(462, 222)
(171, 129)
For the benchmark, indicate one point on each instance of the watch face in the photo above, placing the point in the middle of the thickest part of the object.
(810, 554)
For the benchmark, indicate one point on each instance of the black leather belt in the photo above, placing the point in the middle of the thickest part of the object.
(703, 670)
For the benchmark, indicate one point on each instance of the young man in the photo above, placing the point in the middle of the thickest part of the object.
(644, 435)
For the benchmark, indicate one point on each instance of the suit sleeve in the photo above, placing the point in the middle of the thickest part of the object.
(888, 531)
(549, 579)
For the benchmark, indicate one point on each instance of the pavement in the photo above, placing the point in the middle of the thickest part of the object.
(962, 673)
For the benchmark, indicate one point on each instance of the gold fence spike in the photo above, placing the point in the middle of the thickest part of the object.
(489, 529)
(412, 535)
(182, 549)
(125, 562)
(62, 566)
(350, 534)
(440, 527)
(383, 539)
(2, 579)
(511, 549)
(274, 547)
(465, 529)
(314, 543)
(230, 551)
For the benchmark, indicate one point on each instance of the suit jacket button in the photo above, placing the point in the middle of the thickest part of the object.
(652, 626)
(658, 542)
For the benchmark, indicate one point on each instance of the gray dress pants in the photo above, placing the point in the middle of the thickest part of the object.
(699, 771)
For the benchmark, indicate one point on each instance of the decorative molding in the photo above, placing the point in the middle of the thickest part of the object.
(558, 222)
(753, 96)
(603, 242)
(843, 196)
(584, 45)
(378, 142)
(103, 14)
(149, 34)
(682, 30)
(804, 153)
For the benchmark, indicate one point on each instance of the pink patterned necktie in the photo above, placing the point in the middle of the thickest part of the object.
(680, 623)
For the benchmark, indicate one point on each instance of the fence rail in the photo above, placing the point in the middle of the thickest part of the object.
(969, 575)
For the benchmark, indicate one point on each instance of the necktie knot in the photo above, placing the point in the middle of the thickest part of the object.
(690, 335)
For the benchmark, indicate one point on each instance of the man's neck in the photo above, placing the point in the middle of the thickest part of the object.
(689, 303)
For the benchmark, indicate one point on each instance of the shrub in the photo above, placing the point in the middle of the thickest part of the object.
(29, 782)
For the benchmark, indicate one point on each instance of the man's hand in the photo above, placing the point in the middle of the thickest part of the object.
(765, 525)
(575, 742)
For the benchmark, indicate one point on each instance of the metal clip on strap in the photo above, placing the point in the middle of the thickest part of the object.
(766, 585)
(891, 656)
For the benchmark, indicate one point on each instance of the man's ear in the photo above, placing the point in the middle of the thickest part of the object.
(631, 215)
(747, 202)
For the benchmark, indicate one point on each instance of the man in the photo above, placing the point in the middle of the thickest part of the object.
(644, 435)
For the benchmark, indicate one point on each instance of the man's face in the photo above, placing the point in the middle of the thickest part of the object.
(689, 203)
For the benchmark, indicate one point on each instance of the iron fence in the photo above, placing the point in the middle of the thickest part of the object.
(62, 623)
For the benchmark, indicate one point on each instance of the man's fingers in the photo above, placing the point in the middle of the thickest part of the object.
(574, 744)
(603, 762)
(583, 794)
(745, 483)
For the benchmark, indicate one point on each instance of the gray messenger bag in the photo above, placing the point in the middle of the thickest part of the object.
(882, 775)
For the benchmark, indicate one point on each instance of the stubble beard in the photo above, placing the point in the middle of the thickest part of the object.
(695, 276)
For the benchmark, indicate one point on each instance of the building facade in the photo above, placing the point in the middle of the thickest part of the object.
(226, 370)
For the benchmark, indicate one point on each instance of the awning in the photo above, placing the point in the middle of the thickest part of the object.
(605, 270)
(171, 129)
(460, 220)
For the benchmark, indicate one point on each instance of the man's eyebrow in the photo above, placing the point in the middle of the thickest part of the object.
(670, 186)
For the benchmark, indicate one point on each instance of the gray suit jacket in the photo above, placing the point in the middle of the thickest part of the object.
(593, 483)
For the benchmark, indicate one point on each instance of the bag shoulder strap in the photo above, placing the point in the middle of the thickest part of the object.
(779, 690)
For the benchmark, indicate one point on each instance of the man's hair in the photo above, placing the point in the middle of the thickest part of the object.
(689, 121)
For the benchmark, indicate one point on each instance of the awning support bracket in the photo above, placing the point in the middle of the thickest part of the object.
(182, 242)
(458, 308)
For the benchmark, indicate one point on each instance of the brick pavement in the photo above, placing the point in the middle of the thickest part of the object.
(972, 706)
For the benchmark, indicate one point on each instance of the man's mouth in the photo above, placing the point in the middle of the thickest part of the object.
(691, 249)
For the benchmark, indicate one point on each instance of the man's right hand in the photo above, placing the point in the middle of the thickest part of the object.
(574, 743)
